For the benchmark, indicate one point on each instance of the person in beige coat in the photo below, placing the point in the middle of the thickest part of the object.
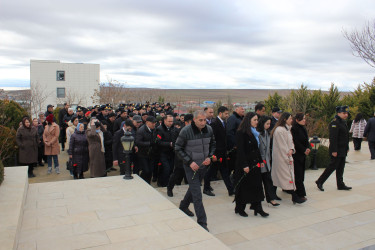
(96, 149)
(282, 161)
(51, 143)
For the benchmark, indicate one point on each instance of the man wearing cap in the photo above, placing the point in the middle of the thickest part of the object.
(276, 113)
(370, 134)
(103, 113)
(338, 149)
(137, 122)
(145, 141)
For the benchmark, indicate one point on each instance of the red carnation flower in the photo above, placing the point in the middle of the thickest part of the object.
(159, 137)
(159, 164)
(312, 145)
(221, 160)
(258, 165)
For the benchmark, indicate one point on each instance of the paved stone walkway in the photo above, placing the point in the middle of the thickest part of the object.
(69, 214)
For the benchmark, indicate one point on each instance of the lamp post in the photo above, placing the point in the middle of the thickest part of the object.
(127, 142)
(315, 143)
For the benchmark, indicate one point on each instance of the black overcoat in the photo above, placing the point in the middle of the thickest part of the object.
(301, 143)
(250, 189)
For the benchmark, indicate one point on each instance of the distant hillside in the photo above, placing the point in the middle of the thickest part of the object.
(198, 95)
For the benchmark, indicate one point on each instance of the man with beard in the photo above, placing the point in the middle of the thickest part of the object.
(195, 145)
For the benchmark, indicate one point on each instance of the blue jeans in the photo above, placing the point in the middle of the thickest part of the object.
(55, 161)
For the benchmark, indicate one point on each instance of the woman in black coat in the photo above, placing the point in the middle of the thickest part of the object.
(302, 147)
(248, 178)
(79, 151)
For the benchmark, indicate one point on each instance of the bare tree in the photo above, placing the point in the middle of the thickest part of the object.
(38, 96)
(363, 43)
(73, 97)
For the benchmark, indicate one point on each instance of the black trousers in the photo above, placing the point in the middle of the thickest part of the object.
(41, 155)
(178, 174)
(31, 168)
(371, 145)
(224, 171)
(338, 164)
(357, 143)
(299, 175)
(147, 167)
(269, 189)
(167, 162)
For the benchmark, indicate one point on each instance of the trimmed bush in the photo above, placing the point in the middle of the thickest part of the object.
(322, 158)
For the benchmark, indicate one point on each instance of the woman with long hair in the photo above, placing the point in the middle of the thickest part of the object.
(358, 128)
(282, 161)
(302, 147)
(265, 151)
(27, 140)
(248, 179)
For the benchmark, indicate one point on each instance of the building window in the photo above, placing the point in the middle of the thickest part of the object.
(60, 76)
(60, 92)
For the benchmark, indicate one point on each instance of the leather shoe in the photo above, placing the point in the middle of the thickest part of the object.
(278, 198)
(344, 188)
(210, 188)
(205, 227)
(187, 211)
(241, 213)
(320, 186)
(208, 192)
(230, 193)
(169, 192)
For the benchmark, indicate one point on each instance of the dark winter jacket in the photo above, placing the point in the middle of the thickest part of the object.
(338, 137)
(194, 145)
(79, 149)
(370, 130)
(167, 136)
(232, 126)
(145, 140)
(300, 139)
(220, 137)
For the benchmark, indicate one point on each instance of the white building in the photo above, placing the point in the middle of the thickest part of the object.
(53, 82)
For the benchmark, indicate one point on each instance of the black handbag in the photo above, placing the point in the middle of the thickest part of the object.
(69, 165)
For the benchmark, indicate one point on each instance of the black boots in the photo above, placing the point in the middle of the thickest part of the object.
(296, 198)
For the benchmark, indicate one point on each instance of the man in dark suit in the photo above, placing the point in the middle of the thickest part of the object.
(370, 134)
(218, 126)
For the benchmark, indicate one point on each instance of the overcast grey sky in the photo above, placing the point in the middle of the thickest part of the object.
(189, 44)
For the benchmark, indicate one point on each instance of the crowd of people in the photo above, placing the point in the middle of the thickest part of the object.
(254, 153)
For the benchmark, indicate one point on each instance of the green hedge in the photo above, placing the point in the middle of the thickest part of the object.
(1, 172)
(322, 158)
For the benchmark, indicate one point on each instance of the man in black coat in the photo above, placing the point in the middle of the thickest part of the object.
(165, 139)
(178, 172)
(218, 126)
(145, 141)
(108, 154)
(232, 125)
(370, 134)
(338, 149)
(63, 125)
(276, 113)
(118, 121)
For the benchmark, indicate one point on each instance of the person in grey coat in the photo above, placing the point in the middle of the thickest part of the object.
(370, 134)
(195, 145)
(265, 151)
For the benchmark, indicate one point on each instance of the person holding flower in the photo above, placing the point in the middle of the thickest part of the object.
(282, 161)
(248, 179)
